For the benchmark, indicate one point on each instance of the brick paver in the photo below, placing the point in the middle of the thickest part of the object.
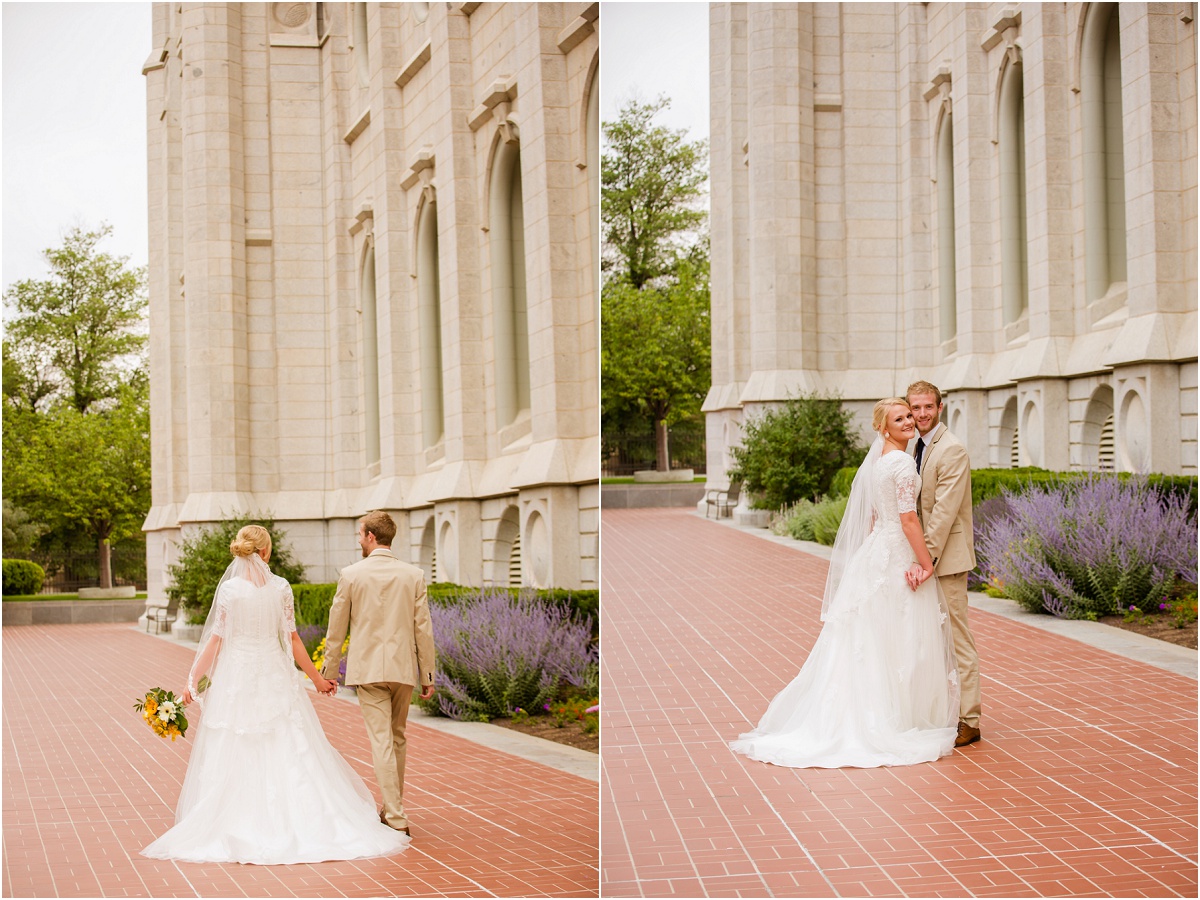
(1084, 784)
(87, 785)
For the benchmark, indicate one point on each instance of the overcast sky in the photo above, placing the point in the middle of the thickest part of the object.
(74, 137)
(74, 128)
(647, 49)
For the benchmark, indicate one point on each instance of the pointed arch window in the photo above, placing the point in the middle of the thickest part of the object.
(509, 304)
(1014, 259)
(370, 356)
(1103, 150)
(429, 304)
(947, 266)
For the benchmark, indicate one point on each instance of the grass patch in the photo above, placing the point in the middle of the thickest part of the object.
(25, 598)
(629, 479)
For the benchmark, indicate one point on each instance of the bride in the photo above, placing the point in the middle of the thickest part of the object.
(264, 785)
(880, 687)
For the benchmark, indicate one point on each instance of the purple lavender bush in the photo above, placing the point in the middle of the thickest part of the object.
(1090, 547)
(496, 653)
(983, 516)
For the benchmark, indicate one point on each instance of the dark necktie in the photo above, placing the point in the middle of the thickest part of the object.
(920, 450)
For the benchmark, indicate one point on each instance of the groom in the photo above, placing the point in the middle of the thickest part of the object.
(383, 602)
(944, 508)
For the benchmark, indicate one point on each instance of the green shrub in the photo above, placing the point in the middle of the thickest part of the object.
(842, 481)
(312, 603)
(313, 600)
(21, 576)
(793, 452)
(795, 521)
(809, 521)
(828, 518)
(204, 557)
(987, 483)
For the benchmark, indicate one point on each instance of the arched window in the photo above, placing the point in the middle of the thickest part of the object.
(1009, 441)
(947, 293)
(1014, 260)
(593, 165)
(370, 356)
(507, 221)
(1103, 150)
(1098, 431)
(362, 60)
(429, 304)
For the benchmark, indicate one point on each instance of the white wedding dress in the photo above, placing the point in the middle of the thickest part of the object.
(880, 687)
(264, 785)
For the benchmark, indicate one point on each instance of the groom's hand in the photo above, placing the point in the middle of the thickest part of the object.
(427, 691)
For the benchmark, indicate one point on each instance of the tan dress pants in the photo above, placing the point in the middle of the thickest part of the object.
(385, 711)
(955, 589)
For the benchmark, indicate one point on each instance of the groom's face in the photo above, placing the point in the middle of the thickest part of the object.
(363, 541)
(926, 411)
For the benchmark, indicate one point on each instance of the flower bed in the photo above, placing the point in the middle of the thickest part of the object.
(1089, 548)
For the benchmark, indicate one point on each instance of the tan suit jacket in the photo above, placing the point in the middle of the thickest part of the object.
(382, 601)
(944, 505)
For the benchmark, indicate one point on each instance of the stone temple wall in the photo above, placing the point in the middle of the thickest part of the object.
(373, 281)
(998, 198)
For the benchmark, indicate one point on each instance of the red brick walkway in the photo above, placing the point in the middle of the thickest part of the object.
(87, 785)
(1084, 784)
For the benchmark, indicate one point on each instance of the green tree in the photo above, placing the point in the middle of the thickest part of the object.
(794, 451)
(77, 335)
(204, 557)
(652, 182)
(76, 400)
(89, 472)
(656, 350)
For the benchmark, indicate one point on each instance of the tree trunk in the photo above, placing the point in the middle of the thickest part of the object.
(105, 551)
(660, 441)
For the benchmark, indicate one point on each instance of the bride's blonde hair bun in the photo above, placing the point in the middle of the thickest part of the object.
(250, 539)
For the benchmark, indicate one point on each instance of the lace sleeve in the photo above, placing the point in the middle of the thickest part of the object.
(220, 610)
(906, 488)
(289, 608)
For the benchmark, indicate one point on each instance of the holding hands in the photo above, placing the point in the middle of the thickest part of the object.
(917, 575)
(324, 686)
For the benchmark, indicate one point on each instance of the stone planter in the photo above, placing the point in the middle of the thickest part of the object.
(652, 476)
(71, 612)
(113, 593)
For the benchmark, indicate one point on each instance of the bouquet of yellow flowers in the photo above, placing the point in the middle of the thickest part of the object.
(163, 712)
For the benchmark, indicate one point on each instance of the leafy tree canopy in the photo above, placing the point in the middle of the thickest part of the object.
(78, 335)
(652, 181)
(83, 472)
(656, 346)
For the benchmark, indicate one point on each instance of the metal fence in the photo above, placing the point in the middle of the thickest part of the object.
(623, 453)
(66, 573)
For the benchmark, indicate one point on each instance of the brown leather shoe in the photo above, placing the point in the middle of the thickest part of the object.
(966, 735)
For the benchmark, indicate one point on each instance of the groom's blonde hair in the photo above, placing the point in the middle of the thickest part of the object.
(879, 417)
(924, 387)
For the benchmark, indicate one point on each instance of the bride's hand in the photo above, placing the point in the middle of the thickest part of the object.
(187, 697)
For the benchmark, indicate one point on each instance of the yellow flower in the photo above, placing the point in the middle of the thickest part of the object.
(151, 705)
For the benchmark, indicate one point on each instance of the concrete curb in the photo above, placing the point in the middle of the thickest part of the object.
(571, 760)
(1129, 644)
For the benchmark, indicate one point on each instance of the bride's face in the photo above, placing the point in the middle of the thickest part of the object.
(899, 426)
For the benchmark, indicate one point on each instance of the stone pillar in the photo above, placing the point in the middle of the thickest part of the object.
(781, 193)
(214, 266)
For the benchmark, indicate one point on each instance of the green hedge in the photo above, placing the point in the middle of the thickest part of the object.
(986, 483)
(22, 576)
(313, 600)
